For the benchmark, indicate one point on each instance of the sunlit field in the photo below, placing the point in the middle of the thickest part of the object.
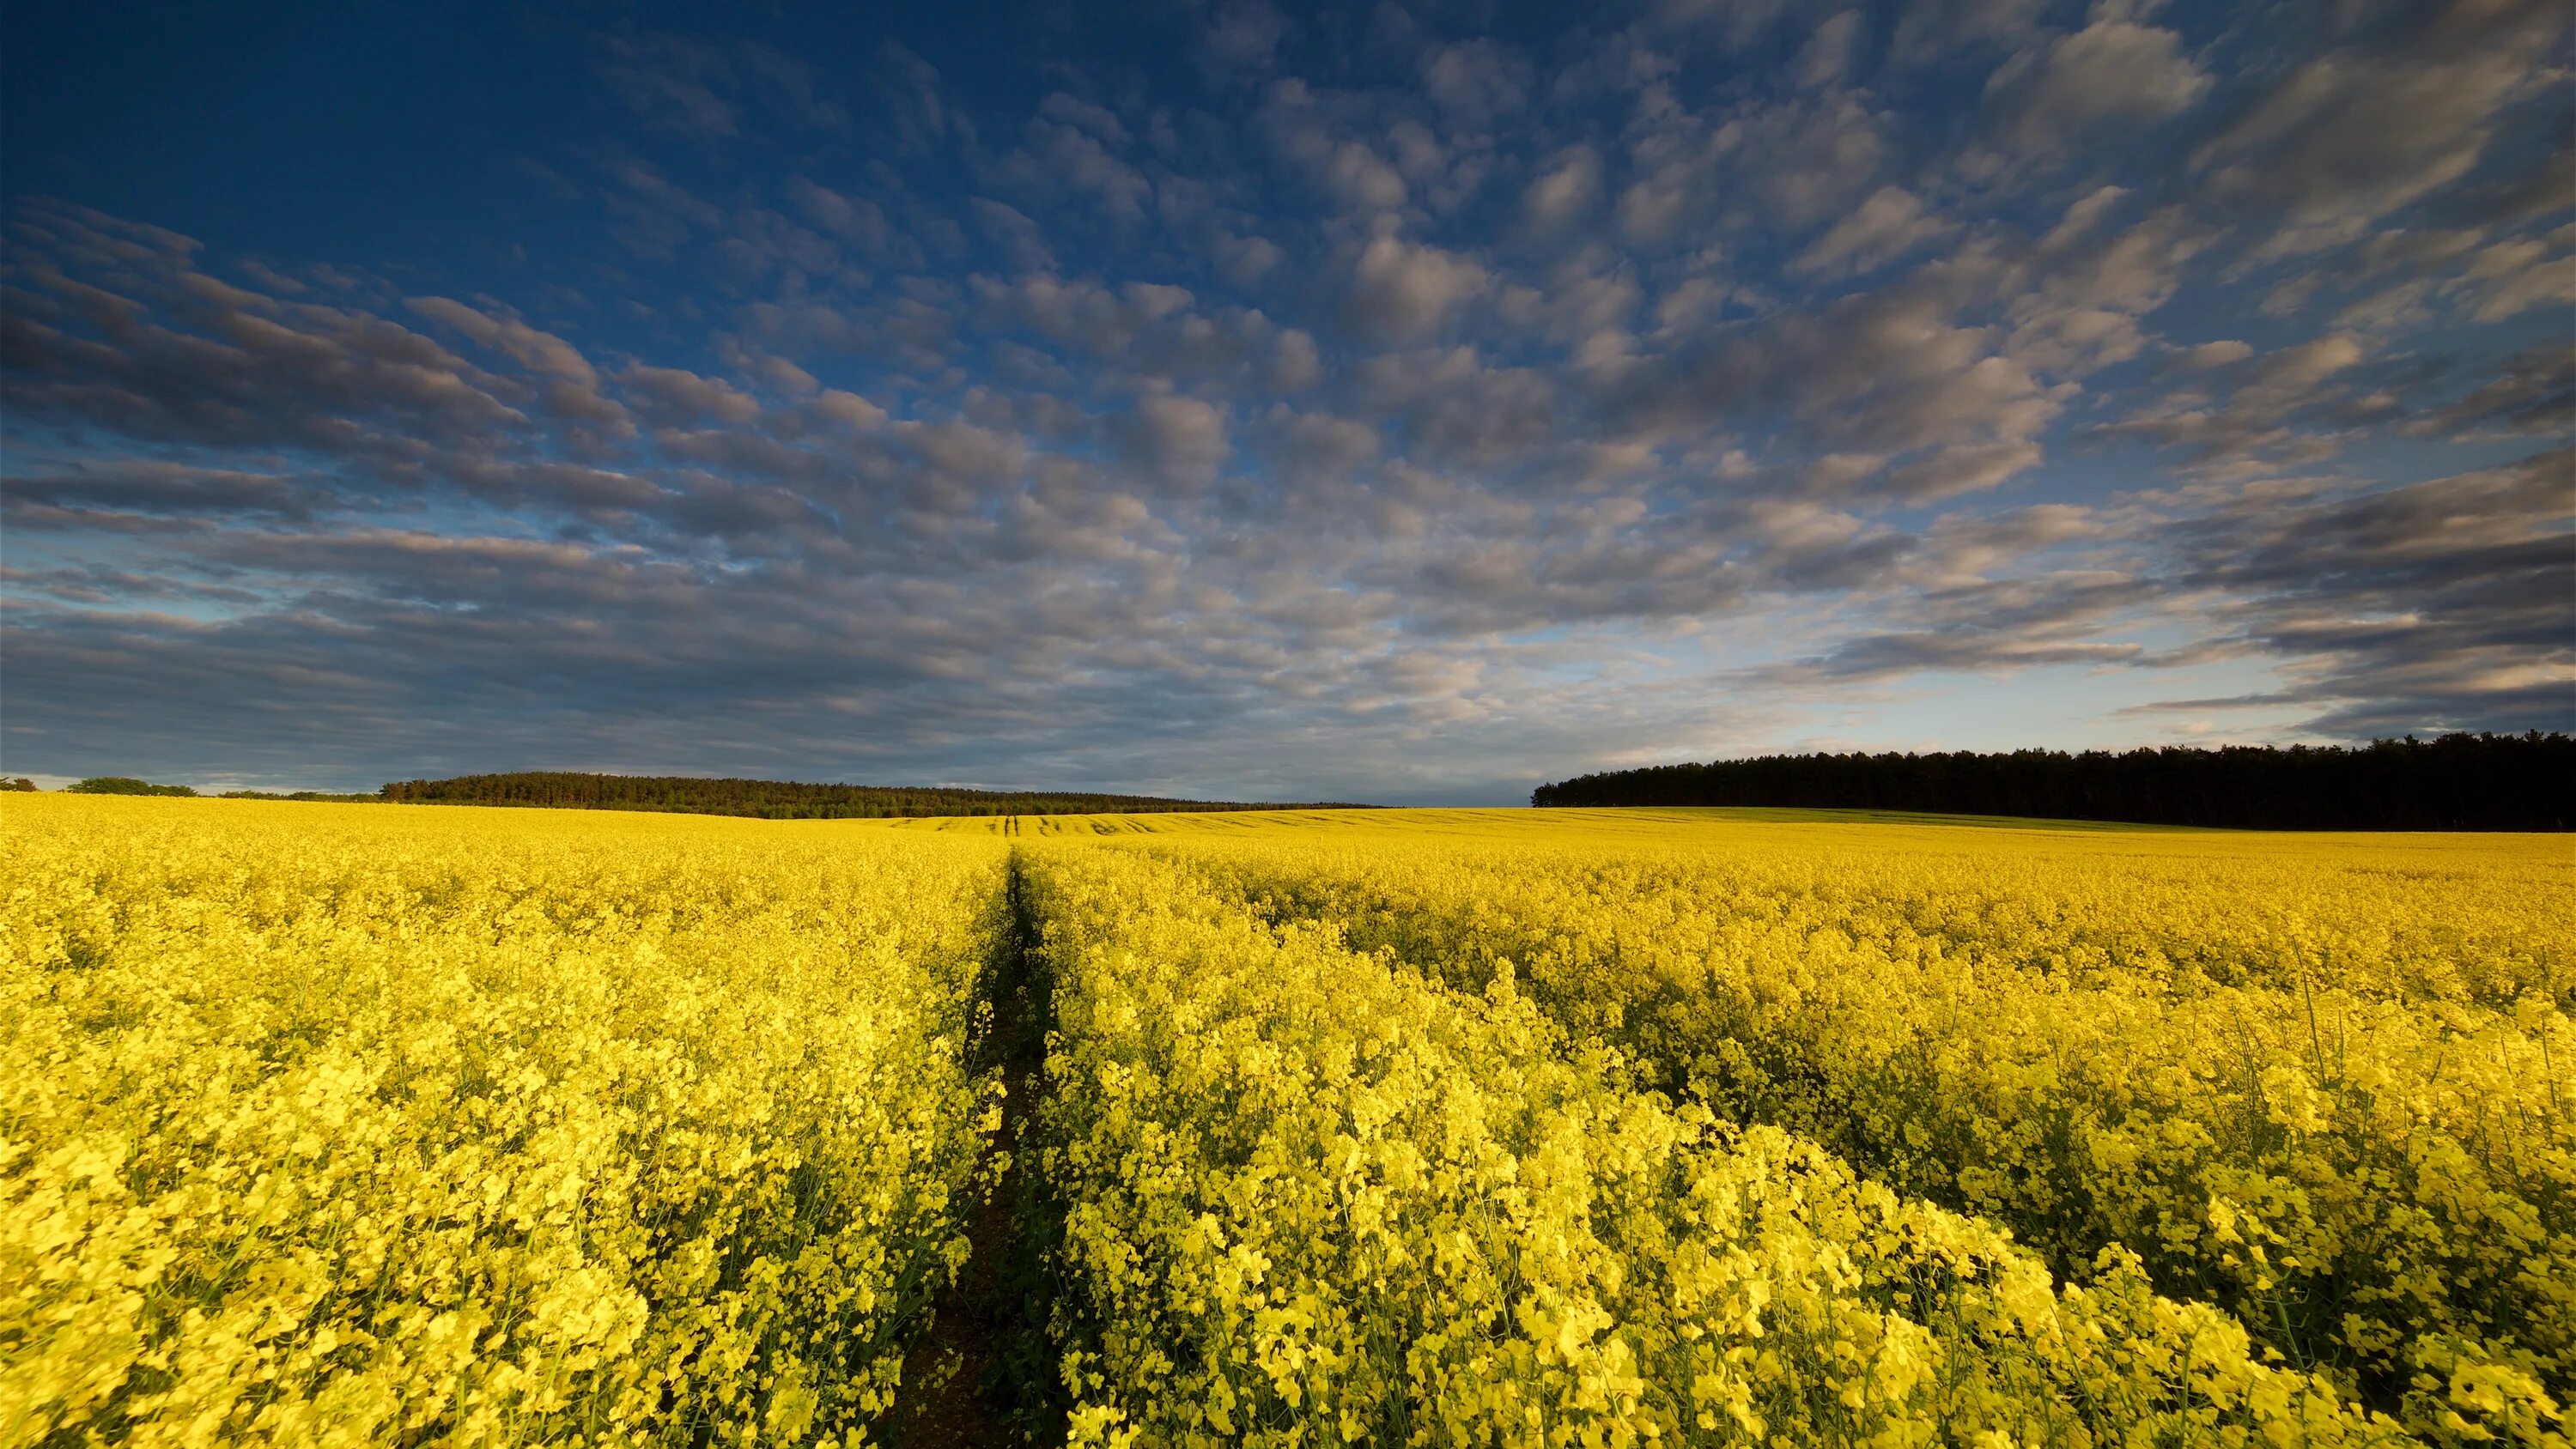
(438, 1125)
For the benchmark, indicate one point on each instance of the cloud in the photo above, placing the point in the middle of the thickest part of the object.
(1082, 313)
(1569, 188)
(185, 357)
(1020, 239)
(2113, 72)
(1059, 158)
(2512, 277)
(2350, 135)
(157, 487)
(1931, 30)
(1789, 164)
(1399, 289)
(652, 217)
(1245, 260)
(1382, 404)
(856, 221)
(2432, 606)
(910, 106)
(1475, 82)
(1244, 33)
(1891, 395)
(706, 89)
(1178, 441)
(676, 397)
(2254, 425)
(1455, 411)
(542, 351)
(1889, 224)
(1328, 139)
(2532, 394)
(1832, 51)
(1320, 446)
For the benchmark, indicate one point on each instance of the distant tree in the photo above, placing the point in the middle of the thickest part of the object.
(124, 785)
(17, 783)
(777, 799)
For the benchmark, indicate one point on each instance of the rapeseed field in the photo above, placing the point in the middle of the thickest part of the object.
(428, 1125)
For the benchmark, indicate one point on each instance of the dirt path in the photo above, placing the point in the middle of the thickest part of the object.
(977, 1378)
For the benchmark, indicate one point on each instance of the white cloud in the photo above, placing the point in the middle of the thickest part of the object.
(1475, 82)
(1569, 188)
(1175, 439)
(1831, 52)
(1244, 33)
(1889, 224)
(677, 397)
(1399, 289)
(2053, 97)
(2347, 136)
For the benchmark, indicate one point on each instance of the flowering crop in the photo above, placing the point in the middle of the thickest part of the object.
(1312, 1198)
(346, 1124)
(426, 1126)
(2331, 1096)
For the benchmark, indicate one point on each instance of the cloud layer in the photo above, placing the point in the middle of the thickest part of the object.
(1354, 406)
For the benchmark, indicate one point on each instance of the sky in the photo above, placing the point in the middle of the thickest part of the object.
(1402, 403)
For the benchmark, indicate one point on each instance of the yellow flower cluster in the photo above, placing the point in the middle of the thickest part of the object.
(354, 1124)
(370, 1124)
(2321, 1081)
(1313, 1197)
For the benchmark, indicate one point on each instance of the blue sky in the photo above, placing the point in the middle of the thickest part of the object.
(1405, 403)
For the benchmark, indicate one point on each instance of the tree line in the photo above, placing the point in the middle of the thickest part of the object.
(2456, 782)
(781, 800)
(118, 785)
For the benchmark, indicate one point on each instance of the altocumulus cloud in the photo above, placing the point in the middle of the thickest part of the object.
(1348, 404)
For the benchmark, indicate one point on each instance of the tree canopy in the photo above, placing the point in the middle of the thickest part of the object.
(123, 785)
(778, 799)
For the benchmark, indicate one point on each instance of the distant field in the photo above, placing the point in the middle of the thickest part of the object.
(1393, 1126)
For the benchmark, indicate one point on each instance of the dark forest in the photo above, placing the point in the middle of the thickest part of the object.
(2456, 782)
(777, 799)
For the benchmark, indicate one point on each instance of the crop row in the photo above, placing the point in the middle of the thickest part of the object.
(2379, 1187)
(1310, 1196)
(493, 1130)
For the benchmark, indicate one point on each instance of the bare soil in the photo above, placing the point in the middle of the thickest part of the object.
(966, 1382)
